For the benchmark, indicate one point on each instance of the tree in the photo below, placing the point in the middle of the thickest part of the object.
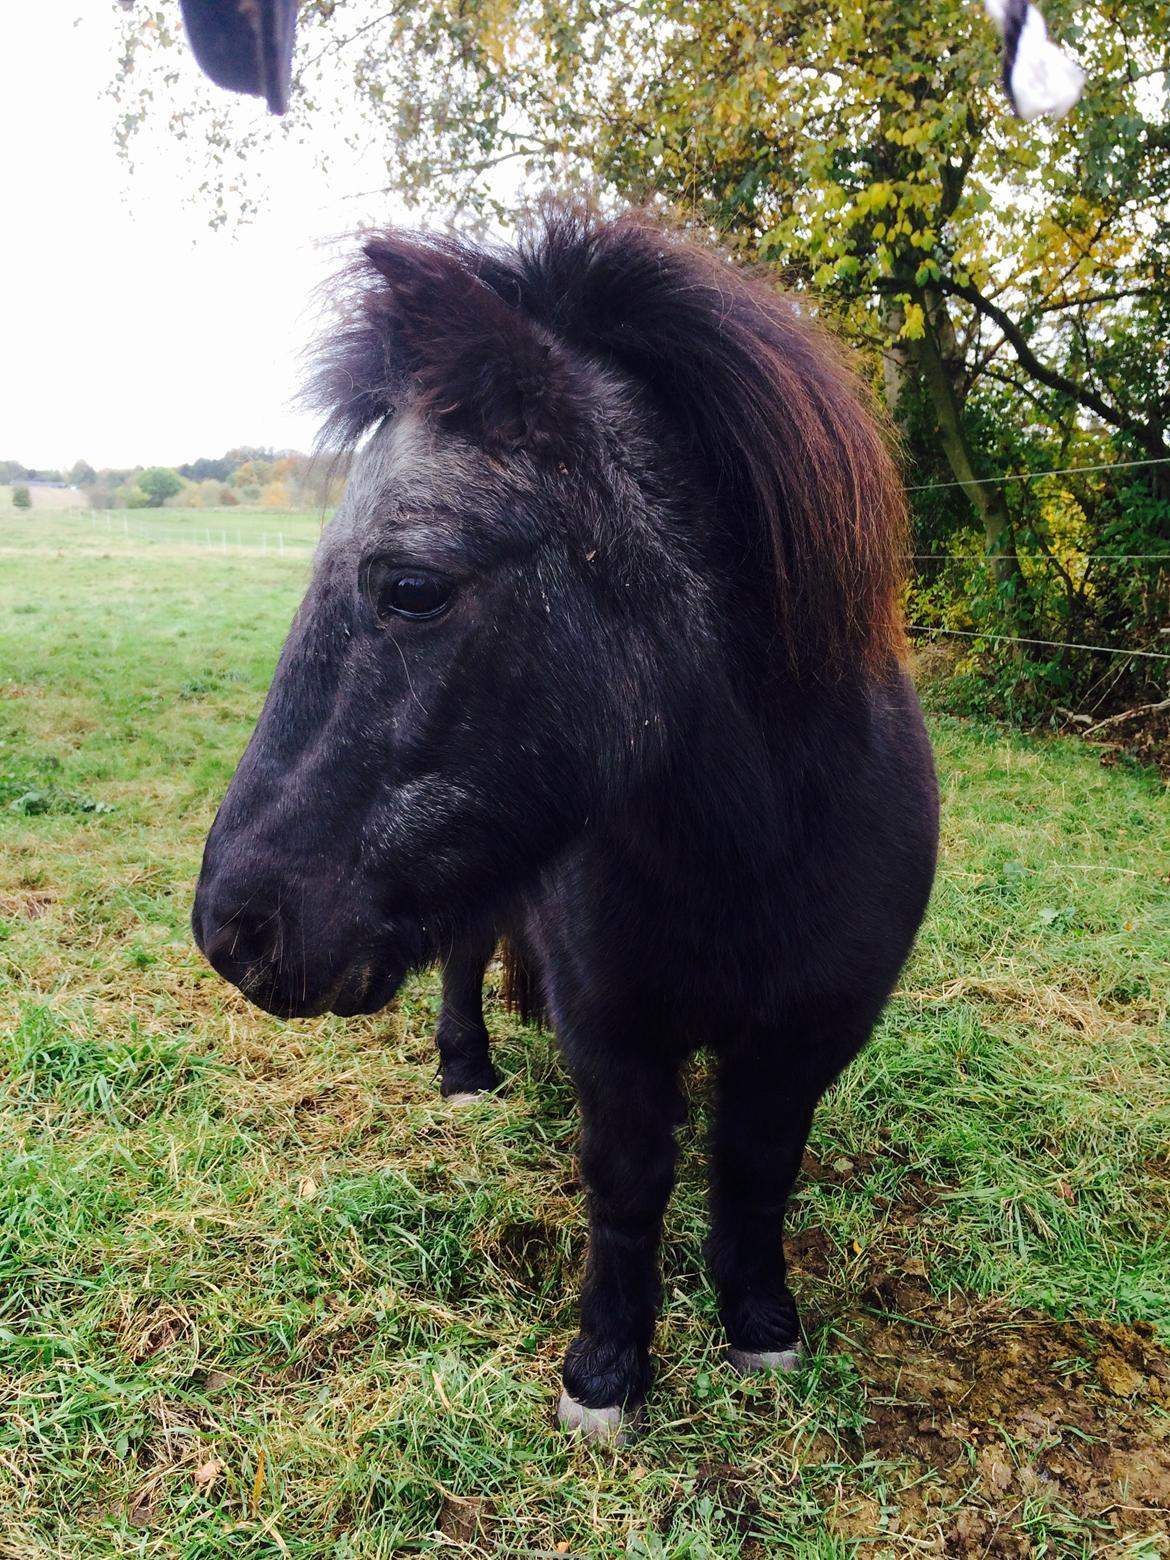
(21, 498)
(275, 496)
(1011, 282)
(207, 495)
(965, 247)
(203, 470)
(246, 452)
(888, 175)
(186, 498)
(82, 474)
(158, 483)
(252, 473)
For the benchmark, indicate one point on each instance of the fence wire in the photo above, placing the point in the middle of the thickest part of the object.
(1078, 557)
(220, 538)
(1033, 476)
(1064, 563)
(223, 538)
(1052, 644)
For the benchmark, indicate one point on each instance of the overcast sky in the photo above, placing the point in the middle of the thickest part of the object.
(130, 332)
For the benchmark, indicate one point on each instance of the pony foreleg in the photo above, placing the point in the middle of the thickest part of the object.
(767, 1091)
(465, 1063)
(629, 1108)
(759, 1136)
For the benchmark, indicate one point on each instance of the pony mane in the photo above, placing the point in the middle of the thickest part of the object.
(787, 436)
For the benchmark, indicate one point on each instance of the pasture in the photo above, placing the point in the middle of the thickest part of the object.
(263, 1294)
(43, 500)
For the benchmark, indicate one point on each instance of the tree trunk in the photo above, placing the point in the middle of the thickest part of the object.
(896, 361)
(986, 498)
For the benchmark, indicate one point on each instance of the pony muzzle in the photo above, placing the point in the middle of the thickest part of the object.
(276, 953)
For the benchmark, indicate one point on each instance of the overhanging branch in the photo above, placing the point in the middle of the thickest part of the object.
(1082, 394)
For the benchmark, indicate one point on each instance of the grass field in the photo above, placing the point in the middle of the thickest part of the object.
(140, 531)
(263, 1294)
(44, 500)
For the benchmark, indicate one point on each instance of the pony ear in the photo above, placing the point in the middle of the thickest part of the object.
(480, 363)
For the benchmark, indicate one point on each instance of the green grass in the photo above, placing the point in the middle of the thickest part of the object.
(129, 533)
(263, 1294)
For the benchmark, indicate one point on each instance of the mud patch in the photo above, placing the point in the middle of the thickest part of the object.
(1017, 1429)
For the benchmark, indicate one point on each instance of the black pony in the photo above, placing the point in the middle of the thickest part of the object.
(602, 646)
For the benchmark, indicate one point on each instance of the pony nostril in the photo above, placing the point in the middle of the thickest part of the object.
(242, 940)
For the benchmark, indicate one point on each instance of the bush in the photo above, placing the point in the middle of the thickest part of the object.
(275, 496)
(159, 483)
(188, 497)
(21, 498)
(1093, 570)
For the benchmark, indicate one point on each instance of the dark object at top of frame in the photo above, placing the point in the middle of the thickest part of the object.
(245, 45)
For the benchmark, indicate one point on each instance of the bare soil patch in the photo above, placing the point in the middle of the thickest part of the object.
(1005, 1419)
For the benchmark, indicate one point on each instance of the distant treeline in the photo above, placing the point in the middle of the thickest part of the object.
(274, 479)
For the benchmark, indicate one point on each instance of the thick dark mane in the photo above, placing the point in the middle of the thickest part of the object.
(758, 391)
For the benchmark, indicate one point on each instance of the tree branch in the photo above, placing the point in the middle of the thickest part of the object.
(1116, 720)
(1147, 437)
(1115, 296)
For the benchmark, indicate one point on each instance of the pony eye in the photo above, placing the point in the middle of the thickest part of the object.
(413, 594)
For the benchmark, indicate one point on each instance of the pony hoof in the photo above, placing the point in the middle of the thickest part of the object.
(613, 1426)
(466, 1097)
(747, 1362)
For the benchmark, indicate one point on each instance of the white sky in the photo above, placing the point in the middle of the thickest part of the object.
(130, 332)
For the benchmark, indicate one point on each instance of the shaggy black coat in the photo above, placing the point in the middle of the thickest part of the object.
(602, 644)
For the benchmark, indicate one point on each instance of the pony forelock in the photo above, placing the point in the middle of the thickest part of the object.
(785, 434)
